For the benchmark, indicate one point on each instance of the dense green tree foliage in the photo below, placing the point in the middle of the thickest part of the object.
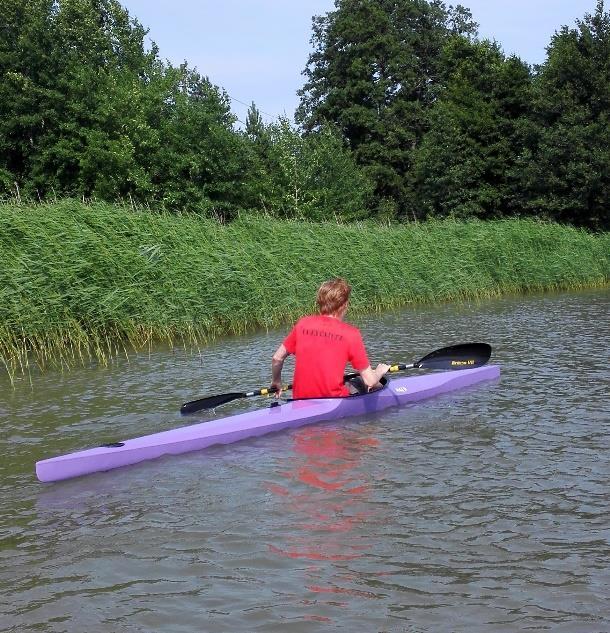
(305, 177)
(373, 74)
(447, 125)
(74, 78)
(86, 110)
(565, 169)
(465, 165)
(404, 114)
(199, 162)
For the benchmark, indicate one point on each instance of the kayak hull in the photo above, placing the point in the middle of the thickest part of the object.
(292, 414)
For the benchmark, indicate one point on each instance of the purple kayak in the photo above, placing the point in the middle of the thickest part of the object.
(292, 414)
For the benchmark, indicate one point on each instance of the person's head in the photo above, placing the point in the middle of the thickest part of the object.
(333, 296)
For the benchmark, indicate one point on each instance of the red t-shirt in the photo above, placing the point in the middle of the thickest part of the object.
(323, 346)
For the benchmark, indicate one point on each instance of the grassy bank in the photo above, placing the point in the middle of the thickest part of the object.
(88, 281)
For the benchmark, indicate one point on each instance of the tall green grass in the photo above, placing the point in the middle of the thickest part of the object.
(92, 281)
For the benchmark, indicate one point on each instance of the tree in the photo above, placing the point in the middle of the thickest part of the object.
(312, 177)
(87, 110)
(565, 170)
(465, 163)
(373, 75)
(260, 182)
(74, 73)
(199, 160)
(25, 107)
(255, 128)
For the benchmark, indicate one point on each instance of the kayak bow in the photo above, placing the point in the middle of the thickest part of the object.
(292, 414)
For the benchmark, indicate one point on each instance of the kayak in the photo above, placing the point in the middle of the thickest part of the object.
(289, 415)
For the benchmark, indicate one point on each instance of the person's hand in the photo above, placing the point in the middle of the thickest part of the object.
(278, 386)
(382, 369)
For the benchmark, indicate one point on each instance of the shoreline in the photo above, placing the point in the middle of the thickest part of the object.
(93, 281)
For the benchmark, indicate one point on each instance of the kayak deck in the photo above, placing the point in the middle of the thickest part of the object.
(292, 414)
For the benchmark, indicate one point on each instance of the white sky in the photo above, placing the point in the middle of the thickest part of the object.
(257, 49)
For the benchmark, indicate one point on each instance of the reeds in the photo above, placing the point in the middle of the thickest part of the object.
(91, 281)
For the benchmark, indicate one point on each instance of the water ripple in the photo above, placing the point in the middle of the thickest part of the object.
(481, 511)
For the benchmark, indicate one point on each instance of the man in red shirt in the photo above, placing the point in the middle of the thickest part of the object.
(323, 344)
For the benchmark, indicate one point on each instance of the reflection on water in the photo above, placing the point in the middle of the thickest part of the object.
(481, 510)
(328, 517)
(326, 527)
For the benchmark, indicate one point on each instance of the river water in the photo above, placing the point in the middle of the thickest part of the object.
(481, 510)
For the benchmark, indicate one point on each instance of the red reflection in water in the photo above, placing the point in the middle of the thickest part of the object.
(317, 618)
(327, 505)
(342, 590)
(312, 554)
(327, 513)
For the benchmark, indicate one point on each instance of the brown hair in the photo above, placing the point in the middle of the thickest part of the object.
(333, 295)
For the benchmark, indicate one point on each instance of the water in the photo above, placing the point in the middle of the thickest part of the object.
(482, 510)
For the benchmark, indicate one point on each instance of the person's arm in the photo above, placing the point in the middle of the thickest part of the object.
(359, 358)
(371, 377)
(277, 362)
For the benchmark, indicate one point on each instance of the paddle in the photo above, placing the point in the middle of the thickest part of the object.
(464, 356)
(215, 401)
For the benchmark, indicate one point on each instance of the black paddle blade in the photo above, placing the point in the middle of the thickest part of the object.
(209, 403)
(463, 356)
(212, 402)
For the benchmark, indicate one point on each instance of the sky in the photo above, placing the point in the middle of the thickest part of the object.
(256, 50)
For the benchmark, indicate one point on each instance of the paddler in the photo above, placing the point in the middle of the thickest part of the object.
(323, 344)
